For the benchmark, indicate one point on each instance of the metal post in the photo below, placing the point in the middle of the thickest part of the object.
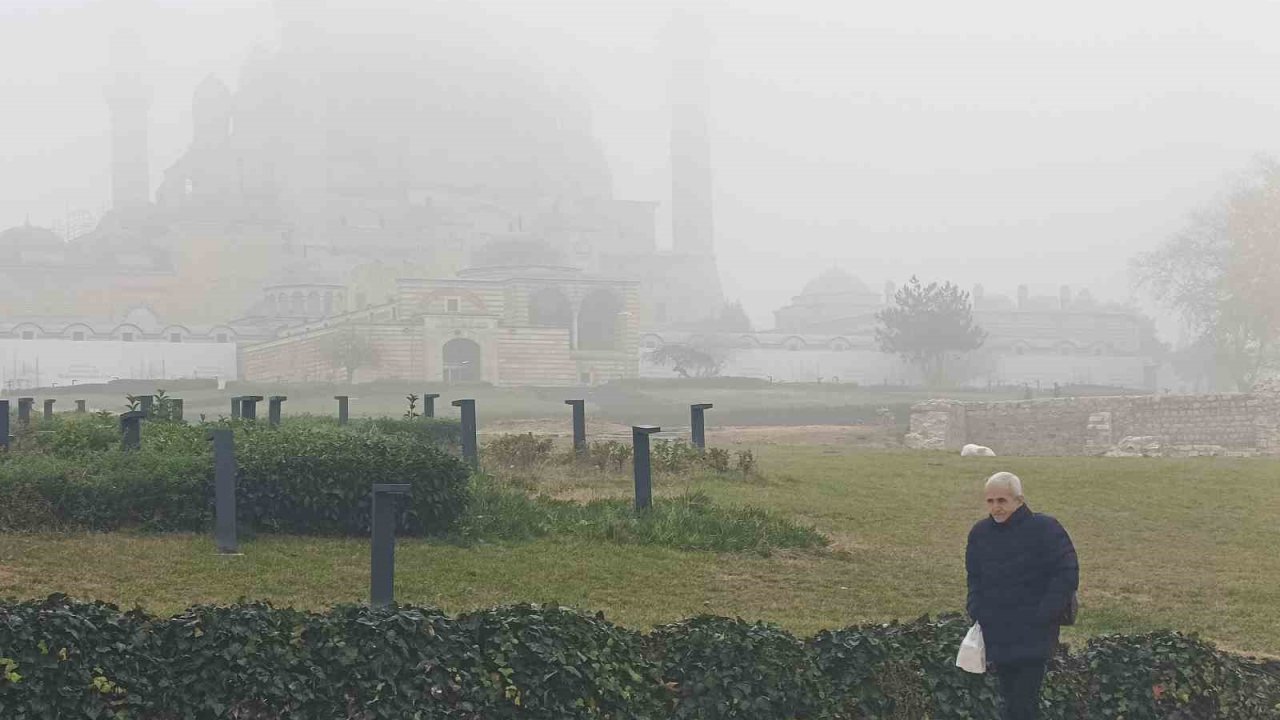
(382, 558)
(343, 401)
(429, 404)
(249, 406)
(273, 409)
(470, 451)
(224, 490)
(24, 411)
(640, 454)
(80, 408)
(4, 423)
(235, 408)
(579, 425)
(698, 425)
(131, 429)
(48, 409)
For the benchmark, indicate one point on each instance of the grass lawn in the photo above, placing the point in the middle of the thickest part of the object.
(1188, 544)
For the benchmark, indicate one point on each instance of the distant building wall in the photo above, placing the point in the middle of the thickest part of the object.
(1181, 424)
(852, 358)
(44, 363)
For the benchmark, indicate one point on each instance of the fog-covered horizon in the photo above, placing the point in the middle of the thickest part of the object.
(994, 143)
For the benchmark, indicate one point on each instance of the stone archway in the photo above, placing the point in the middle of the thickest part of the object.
(461, 360)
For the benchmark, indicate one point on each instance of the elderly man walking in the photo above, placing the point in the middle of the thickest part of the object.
(1023, 574)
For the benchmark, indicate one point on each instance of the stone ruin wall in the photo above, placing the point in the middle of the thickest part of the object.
(1228, 424)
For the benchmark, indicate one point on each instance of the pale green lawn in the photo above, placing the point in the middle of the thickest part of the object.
(1188, 544)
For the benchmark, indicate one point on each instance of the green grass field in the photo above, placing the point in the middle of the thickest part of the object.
(1187, 544)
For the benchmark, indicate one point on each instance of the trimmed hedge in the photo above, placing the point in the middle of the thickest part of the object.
(306, 480)
(60, 658)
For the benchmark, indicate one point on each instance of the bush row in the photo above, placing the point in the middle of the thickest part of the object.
(71, 434)
(60, 658)
(298, 479)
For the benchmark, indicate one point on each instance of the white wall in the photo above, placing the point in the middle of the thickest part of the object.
(44, 363)
(870, 367)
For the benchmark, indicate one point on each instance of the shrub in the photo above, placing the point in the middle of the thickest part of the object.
(551, 662)
(729, 669)
(688, 522)
(376, 663)
(317, 481)
(239, 662)
(300, 480)
(148, 489)
(61, 658)
(518, 451)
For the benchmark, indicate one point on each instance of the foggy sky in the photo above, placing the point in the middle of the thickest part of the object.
(991, 141)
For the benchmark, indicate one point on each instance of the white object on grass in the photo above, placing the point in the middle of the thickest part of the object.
(973, 652)
(972, 450)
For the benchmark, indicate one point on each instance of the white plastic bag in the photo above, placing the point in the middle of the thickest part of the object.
(973, 652)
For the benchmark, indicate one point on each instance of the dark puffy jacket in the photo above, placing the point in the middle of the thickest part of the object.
(1021, 576)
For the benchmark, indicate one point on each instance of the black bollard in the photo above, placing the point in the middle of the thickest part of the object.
(177, 406)
(80, 408)
(343, 407)
(640, 461)
(698, 425)
(273, 409)
(146, 404)
(224, 491)
(579, 425)
(429, 404)
(48, 409)
(470, 450)
(131, 429)
(24, 411)
(382, 557)
(235, 408)
(249, 406)
(4, 424)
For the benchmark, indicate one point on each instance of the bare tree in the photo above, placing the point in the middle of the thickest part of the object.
(1221, 274)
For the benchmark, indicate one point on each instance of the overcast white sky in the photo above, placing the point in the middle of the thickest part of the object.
(989, 141)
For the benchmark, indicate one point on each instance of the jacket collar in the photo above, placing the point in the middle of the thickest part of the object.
(1018, 516)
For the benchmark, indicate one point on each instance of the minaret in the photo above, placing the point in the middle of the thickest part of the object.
(692, 225)
(129, 99)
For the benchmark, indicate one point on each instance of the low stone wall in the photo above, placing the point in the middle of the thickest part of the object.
(1227, 424)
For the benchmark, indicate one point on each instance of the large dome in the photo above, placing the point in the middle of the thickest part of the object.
(30, 237)
(835, 282)
(440, 100)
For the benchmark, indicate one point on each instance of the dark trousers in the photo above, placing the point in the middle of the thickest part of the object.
(1020, 687)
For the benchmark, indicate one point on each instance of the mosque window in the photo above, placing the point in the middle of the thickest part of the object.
(222, 337)
(452, 305)
(126, 337)
(175, 337)
(78, 336)
(28, 335)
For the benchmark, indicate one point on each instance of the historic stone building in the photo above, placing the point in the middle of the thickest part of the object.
(504, 325)
(827, 332)
(330, 178)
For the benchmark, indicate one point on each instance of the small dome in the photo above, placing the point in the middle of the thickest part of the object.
(212, 91)
(29, 236)
(835, 282)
